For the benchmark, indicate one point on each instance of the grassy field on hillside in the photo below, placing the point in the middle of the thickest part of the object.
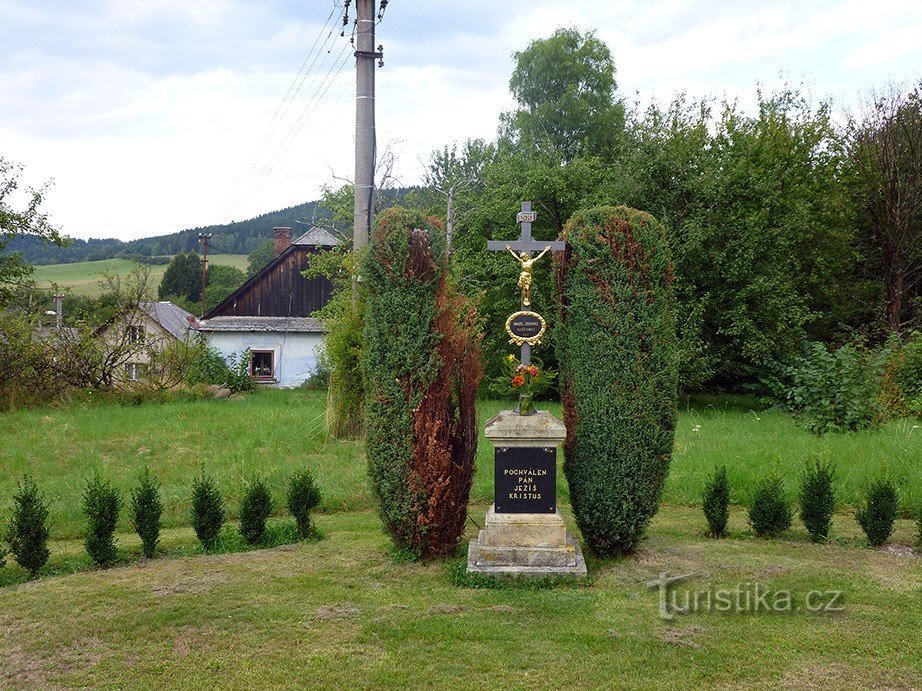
(83, 277)
(341, 613)
(274, 432)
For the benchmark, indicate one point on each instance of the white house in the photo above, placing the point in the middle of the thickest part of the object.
(270, 314)
(283, 350)
(135, 336)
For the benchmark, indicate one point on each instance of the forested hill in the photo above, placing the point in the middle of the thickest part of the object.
(239, 237)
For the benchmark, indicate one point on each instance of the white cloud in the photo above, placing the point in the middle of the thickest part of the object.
(148, 112)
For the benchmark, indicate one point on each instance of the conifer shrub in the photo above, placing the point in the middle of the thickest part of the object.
(101, 506)
(207, 510)
(255, 511)
(303, 497)
(716, 501)
(817, 499)
(878, 511)
(770, 511)
(616, 346)
(146, 512)
(421, 369)
(27, 532)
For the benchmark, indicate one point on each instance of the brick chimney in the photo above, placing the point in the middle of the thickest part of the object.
(282, 240)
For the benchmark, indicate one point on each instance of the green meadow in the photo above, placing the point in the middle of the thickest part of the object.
(344, 611)
(83, 278)
(272, 432)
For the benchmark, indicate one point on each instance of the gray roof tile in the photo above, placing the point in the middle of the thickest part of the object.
(318, 237)
(171, 317)
(283, 324)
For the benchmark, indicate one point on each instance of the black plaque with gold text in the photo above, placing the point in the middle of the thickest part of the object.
(525, 479)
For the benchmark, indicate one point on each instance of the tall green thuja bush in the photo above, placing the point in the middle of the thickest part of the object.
(421, 370)
(616, 347)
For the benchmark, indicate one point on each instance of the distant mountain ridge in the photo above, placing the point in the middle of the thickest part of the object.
(239, 237)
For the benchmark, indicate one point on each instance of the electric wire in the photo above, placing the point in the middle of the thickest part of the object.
(283, 107)
(323, 86)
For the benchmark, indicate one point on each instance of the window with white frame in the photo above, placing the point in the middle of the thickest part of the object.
(136, 334)
(135, 370)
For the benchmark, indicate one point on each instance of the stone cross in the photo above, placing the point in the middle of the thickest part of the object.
(528, 245)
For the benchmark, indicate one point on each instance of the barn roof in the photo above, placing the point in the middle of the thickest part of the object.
(315, 237)
(284, 324)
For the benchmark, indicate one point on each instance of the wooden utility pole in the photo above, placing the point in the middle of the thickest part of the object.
(365, 56)
(203, 238)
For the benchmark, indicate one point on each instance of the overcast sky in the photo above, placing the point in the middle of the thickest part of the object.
(156, 115)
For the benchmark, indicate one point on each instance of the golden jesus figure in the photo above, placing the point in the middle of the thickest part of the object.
(526, 263)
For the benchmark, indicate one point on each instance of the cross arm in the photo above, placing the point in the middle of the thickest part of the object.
(525, 245)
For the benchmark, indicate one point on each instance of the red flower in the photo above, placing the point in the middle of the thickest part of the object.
(518, 381)
(533, 371)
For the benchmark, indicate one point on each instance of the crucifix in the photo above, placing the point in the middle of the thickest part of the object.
(522, 250)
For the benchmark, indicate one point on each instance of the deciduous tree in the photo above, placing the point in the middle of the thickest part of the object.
(261, 256)
(565, 87)
(29, 219)
(182, 278)
(887, 151)
(222, 280)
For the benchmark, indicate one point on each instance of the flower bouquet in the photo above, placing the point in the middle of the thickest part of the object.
(524, 380)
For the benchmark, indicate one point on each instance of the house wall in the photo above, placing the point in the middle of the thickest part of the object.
(295, 354)
(155, 338)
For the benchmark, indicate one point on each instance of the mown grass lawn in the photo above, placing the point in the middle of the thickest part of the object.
(343, 612)
(83, 277)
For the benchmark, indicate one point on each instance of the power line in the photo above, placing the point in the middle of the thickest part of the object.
(288, 99)
(307, 111)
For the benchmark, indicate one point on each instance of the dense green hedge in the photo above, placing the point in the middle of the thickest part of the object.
(618, 370)
(421, 369)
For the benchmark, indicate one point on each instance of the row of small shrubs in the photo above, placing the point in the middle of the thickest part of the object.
(771, 510)
(27, 531)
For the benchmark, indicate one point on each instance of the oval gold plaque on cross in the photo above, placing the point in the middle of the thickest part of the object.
(525, 327)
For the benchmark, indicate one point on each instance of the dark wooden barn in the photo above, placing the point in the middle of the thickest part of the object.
(279, 289)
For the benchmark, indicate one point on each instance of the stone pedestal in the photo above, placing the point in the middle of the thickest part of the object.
(515, 541)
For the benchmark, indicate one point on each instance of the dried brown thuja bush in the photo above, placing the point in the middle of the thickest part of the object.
(421, 368)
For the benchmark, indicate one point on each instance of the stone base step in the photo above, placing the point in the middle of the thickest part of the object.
(527, 561)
